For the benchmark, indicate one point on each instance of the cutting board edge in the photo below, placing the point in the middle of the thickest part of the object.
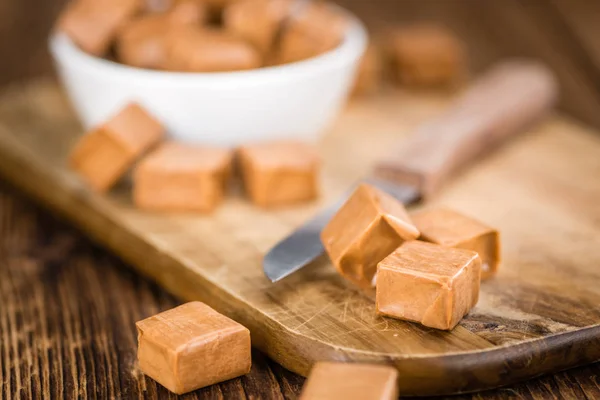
(429, 375)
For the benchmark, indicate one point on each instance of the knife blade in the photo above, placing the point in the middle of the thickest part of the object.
(503, 102)
(304, 245)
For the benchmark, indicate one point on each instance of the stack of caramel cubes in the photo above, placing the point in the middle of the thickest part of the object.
(175, 177)
(425, 267)
(203, 35)
(416, 56)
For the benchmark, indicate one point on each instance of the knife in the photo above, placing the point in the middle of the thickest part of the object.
(503, 102)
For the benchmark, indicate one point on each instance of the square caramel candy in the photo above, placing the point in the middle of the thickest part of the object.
(348, 381)
(195, 49)
(368, 227)
(188, 12)
(156, 6)
(217, 8)
(453, 229)
(177, 177)
(426, 55)
(427, 283)
(279, 173)
(257, 21)
(142, 43)
(370, 71)
(93, 24)
(104, 155)
(192, 346)
(310, 31)
(183, 11)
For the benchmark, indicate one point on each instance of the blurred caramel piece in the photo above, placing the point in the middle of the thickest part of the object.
(257, 21)
(187, 12)
(103, 155)
(157, 6)
(452, 229)
(217, 7)
(192, 49)
(93, 24)
(427, 283)
(177, 177)
(368, 227)
(349, 381)
(369, 73)
(279, 173)
(192, 346)
(426, 55)
(142, 43)
(312, 29)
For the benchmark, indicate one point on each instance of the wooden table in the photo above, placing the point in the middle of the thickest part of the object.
(67, 308)
(67, 314)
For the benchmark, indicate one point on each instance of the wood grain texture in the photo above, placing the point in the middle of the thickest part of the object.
(54, 281)
(24, 29)
(67, 319)
(539, 315)
(562, 33)
(580, 24)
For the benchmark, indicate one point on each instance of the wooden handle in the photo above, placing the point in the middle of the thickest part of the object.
(502, 103)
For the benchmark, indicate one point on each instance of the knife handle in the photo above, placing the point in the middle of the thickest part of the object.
(503, 102)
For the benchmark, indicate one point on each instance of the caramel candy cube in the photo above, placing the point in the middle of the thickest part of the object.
(370, 70)
(257, 21)
(193, 49)
(452, 229)
(313, 30)
(178, 177)
(426, 55)
(143, 42)
(188, 12)
(368, 227)
(427, 283)
(217, 7)
(279, 173)
(103, 155)
(156, 6)
(93, 24)
(192, 346)
(329, 380)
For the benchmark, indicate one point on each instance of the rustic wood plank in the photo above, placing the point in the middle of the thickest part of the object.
(23, 25)
(67, 318)
(40, 256)
(563, 37)
(538, 315)
(545, 31)
(24, 29)
(581, 20)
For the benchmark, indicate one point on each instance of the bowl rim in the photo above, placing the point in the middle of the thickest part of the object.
(350, 50)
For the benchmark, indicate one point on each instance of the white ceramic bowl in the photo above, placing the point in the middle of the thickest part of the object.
(296, 100)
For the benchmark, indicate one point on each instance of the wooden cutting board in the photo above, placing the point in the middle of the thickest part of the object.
(542, 190)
